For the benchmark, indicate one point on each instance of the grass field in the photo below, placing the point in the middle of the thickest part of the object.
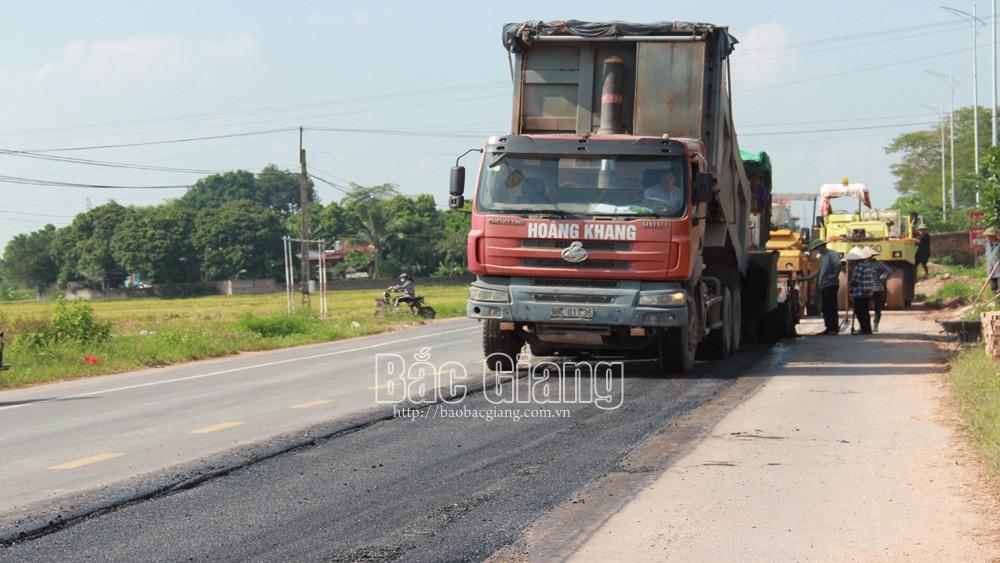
(154, 332)
(976, 380)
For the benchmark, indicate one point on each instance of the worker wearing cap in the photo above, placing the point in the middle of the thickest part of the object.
(863, 285)
(829, 283)
(923, 248)
(992, 254)
(882, 271)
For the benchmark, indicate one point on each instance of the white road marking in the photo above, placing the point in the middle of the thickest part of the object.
(852, 365)
(86, 460)
(243, 368)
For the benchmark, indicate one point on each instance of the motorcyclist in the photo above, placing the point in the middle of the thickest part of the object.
(407, 288)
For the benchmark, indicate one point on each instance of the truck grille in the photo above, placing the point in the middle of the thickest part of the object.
(563, 282)
(555, 298)
(588, 264)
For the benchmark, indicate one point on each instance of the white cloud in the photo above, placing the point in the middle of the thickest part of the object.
(138, 58)
(762, 56)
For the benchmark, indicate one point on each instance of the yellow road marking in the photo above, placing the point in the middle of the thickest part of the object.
(310, 404)
(86, 461)
(215, 427)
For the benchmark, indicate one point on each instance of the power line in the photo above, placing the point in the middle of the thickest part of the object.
(842, 47)
(842, 120)
(332, 184)
(840, 38)
(862, 128)
(168, 141)
(853, 71)
(104, 163)
(57, 184)
(403, 132)
(263, 110)
(35, 214)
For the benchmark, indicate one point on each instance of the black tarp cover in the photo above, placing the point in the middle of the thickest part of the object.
(517, 35)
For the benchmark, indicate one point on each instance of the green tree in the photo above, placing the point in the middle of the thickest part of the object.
(359, 261)
(28, 259)
(375, 219)
(279, 190)
(238, 238)
(275, 189)
(451, 245)
(156, 242)
(918, 171)
(990, 197)
(415, 250)
(83, 248)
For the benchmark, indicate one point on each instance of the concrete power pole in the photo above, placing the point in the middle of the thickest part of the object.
(304, 207)
(994, 108)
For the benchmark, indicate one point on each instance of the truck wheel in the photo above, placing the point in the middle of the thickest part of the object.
(500, 347)
(736, 338)
(812, 304)
(678, 346)
(771, 327)
(895, 290)
(541, 350)
(719, 343)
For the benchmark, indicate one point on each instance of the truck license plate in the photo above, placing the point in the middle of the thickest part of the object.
(572, 313)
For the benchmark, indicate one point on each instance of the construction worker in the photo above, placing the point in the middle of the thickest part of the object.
(862, 286)
(829, 283)
(882, 272)
(992, 254)
(923, 248)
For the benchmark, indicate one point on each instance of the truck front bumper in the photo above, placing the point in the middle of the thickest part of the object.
(530, 303)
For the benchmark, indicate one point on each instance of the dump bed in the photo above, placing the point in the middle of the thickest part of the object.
(676, 83)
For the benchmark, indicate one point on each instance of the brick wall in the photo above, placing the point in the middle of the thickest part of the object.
(955, 245)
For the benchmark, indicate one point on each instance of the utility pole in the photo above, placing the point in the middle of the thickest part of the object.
(975, 22)
(994, 107)
(944, 185)
(304, 208)
(951, 83)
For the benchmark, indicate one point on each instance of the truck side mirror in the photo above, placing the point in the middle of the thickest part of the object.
(457, 188)
(703, 184)
(805, 235)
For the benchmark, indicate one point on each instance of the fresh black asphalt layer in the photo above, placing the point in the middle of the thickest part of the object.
(430, 489)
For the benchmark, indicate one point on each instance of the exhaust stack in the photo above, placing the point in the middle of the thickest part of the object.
(612, 96)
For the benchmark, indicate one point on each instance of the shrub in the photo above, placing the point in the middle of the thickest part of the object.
(275, 325)
(72, 321)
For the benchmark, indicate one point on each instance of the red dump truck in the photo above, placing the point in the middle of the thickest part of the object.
(617, 217)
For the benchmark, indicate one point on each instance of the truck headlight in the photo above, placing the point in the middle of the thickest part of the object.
(489, 295)
(674, 299)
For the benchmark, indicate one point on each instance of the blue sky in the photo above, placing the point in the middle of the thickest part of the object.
(72, 74)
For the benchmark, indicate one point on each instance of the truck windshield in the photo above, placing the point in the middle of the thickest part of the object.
(594, 186)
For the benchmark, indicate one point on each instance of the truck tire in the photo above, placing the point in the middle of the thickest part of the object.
(500, 347)
(737, 326)
(541, 350)
(719, 343)
(677, 346)
(812, 301)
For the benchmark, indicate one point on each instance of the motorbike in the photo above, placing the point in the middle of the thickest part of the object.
(417, 307)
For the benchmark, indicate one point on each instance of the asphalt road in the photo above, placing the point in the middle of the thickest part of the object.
(435, 487)
(68, 438)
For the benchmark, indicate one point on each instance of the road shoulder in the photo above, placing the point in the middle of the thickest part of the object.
(849, 451)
